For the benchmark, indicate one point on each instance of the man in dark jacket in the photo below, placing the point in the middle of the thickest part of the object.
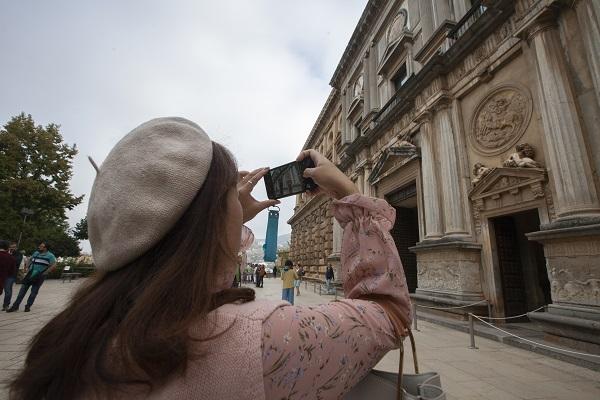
(329, 277)
(7, 263)
(10, 279)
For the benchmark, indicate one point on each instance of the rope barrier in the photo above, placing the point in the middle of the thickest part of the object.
(451, 308)
(536, 343)
(513, 317)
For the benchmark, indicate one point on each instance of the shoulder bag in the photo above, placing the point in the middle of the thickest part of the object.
(383, 385)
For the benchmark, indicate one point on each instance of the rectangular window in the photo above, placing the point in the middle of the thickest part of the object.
(400, 78)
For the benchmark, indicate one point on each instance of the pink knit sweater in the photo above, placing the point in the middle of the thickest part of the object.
(273, 350)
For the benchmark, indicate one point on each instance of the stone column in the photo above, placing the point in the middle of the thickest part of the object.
(346, 134)
(460, 9)
(360, 181)
(367, 184)
(567, 158)
(366, 84)
(431, 194)
(372, 86)
(588, 15)
(454, 217)
(441, 12)
(426, 12)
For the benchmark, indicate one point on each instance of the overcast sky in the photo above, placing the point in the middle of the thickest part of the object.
(253, 73)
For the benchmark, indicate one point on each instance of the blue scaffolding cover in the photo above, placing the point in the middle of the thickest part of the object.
(270, 246)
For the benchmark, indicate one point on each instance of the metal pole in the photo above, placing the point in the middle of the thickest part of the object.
(319, 289)
(335, 289)
(415, 328)
(489, 309)
(472, 331)
(21, 233)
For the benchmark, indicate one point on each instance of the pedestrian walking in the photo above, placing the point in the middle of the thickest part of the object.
(261, 275)
(159, 319)
(10, 280)
(288, 277)
(274, 271)
(41, 263)
(298, 281)
(329, 276)
(7, 263)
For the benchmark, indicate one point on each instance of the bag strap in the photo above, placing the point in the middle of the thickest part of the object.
(399, 328)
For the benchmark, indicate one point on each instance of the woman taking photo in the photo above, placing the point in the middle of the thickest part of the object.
(160, 320)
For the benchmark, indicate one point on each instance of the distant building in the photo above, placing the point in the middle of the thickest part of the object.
(478, 121)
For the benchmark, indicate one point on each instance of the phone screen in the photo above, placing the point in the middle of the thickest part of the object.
(285, 180)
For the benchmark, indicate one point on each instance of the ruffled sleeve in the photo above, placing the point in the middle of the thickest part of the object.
(322, 352)
(371, 266)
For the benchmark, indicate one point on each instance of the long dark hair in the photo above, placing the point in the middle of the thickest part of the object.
(132, 325)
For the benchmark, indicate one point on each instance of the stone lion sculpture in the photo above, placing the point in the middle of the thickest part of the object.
(523, 158)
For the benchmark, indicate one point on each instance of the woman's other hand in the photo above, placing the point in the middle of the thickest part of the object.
(246, 182)
(330, 179)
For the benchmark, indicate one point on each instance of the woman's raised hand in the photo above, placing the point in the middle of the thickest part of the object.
(330, 179)
(246, 182)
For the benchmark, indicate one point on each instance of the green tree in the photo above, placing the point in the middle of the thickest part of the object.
(35, 169)
(80, 232)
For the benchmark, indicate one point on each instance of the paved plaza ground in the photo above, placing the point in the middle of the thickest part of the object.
(494, 371)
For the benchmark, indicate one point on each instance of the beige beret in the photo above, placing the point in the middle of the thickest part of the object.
(143, 187)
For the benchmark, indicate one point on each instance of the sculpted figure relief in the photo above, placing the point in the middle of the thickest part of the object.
(358, 87)
(479, 172)
(523, 158)
(500, 119)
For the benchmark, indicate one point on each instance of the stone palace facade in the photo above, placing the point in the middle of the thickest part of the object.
(479, 121)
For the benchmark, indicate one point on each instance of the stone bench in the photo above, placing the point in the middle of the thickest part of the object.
(69, 275)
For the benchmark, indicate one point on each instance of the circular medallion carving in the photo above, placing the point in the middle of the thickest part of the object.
(397, 26)
(500, 119)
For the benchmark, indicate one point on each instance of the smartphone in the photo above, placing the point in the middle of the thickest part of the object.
(287, 180)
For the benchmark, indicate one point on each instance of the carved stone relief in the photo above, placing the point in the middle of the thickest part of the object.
(432, 277)
(499, 188)
(500, 119)
(581, 289)
(358, 87)
(523, 158)
(449, 270)
(397, 26)
(479, 172)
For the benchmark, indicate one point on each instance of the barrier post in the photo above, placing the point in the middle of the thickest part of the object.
(472, 331)
(489, 305)
(335, 294)
(319, 289)
(415, 328)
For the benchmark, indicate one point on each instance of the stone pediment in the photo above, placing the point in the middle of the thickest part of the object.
(393, 157)
(500, 181)
(394, 51)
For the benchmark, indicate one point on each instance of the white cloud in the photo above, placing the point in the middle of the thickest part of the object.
(254, 74)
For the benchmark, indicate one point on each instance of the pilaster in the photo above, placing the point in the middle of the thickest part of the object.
(454, 217)
(567, 158)
(588, 15)
(427, 22)
(431, 189)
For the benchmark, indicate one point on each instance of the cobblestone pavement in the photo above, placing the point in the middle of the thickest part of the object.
(493, 372)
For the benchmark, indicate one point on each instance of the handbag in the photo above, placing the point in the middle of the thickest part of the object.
(388, 385)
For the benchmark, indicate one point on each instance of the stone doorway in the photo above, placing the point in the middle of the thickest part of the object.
(406, 230)
(521, 263)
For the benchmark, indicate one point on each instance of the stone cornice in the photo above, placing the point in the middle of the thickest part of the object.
(438, 65)
(323, 117)
(357, 40)
(309, 205)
